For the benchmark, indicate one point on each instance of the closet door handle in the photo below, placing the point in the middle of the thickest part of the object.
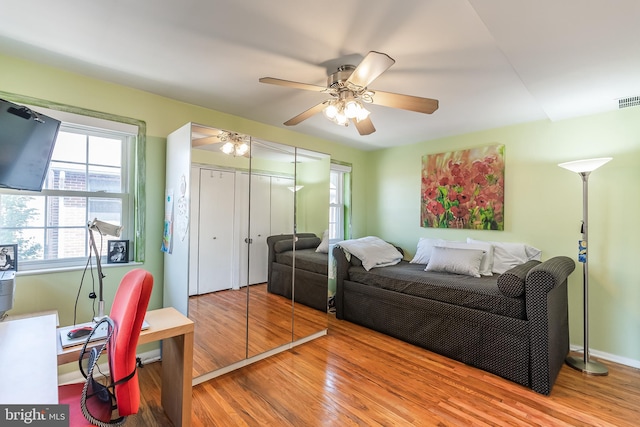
(248, 240)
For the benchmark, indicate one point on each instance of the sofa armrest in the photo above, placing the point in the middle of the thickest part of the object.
(342, 273)
(551, 272)
(548, 316)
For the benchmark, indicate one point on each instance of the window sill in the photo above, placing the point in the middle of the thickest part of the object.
(72, 268)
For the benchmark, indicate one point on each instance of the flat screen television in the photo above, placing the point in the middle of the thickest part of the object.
(27, 139)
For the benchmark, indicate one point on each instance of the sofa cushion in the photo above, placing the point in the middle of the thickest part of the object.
(324, 244)
(507, 255)
(456, 261)
(426, 245)
(424, 250)
(480, 293)
(306, 259)
(512, 282)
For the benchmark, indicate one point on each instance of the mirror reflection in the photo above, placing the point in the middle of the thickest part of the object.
(217, 287)
(272, 180)
(243, 199)
(311, 260)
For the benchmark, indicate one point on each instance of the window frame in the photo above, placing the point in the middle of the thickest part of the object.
(136, 170)
(343, 201)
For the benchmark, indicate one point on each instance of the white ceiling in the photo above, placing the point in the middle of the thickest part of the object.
(490, 63)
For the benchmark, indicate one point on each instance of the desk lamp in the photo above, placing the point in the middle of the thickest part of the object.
(584, 168)
(105, 229)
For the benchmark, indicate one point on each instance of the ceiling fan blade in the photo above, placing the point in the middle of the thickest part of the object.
(364, 126)
(289, 83)
(374, 64)
(405, 102)
(199, 142)
(305, 115)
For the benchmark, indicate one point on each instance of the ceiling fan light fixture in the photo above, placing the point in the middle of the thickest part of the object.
(330, 111)
(241, 149)
(227, 148)
(340, 111)
(363, 113)
(235, 143)
(352, 108)
(341, 119)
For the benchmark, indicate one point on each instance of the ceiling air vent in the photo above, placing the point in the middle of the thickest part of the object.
(631, 101)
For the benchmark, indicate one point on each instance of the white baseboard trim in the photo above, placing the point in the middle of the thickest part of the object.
(76, 377)
(608, 356)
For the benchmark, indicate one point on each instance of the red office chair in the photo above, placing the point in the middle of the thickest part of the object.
(124, 324)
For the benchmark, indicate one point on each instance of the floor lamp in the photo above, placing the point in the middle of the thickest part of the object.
(584, 168)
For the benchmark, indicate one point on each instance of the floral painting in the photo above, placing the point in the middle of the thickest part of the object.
(464, 189)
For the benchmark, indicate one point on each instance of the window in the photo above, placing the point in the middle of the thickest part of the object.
(339, 202)
(90, 176)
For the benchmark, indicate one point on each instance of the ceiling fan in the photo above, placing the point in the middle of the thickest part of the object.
(348, 87)
(232, 143)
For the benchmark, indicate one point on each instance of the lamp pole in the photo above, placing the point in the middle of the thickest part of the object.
(584, 169)
(100, 275)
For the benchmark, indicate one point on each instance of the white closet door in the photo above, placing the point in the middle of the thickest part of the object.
(282, 198)
(215, 252)
(260, 217)
(255, 226)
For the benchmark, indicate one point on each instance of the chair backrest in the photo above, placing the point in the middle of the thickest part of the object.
(127, 313)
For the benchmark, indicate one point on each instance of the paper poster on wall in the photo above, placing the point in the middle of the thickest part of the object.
(182, 214)
(168, 222)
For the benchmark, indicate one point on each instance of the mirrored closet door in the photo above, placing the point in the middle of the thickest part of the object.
(221, 207)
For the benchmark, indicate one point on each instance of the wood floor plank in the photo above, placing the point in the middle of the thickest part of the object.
(222, 326)
(357, 377)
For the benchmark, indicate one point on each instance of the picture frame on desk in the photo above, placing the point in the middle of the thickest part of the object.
(8, 257)
(118, 251)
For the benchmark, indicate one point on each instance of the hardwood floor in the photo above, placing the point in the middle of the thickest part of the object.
(357, 377)
(222, 328)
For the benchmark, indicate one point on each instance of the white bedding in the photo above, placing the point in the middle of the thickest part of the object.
(372, 251)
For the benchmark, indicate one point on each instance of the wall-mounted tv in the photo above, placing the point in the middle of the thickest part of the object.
(27, 139)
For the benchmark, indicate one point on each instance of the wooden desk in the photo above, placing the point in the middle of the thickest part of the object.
(176, 332)
(27, 361)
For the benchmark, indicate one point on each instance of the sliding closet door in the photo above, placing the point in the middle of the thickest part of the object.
(312, 216)
(270, 316)
(220, 310)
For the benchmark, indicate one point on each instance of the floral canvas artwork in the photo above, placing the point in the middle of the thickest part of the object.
(464, 189)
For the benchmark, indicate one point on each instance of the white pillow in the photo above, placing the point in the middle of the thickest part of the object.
(486, 265)
(507, 255)
(455, 260)
(372, 251)
(424, 249)
(324, 244)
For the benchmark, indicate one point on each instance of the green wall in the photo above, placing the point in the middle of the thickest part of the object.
(543, 203)
(543, 207)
